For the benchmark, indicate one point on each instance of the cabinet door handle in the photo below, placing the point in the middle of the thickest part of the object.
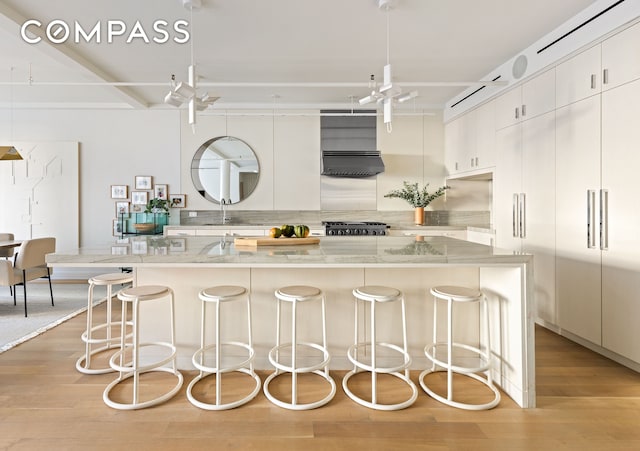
(593, 81)
(605, 76)
(591, 218)
(515, 215)
(477, 162)
(517, 115)
(524, 110)
(604, 219)
(471, 162)
(523, 215)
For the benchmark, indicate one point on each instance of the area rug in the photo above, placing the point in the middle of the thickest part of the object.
(70, 300)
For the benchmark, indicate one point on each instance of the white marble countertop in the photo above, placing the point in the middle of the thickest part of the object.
(381, 251)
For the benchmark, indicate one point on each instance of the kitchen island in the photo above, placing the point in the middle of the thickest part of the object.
(337, 265)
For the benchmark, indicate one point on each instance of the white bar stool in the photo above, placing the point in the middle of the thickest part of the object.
(298, 294)
(453, 294)
(109, 341)
(135, 296)
(374, 294)
(220, 295)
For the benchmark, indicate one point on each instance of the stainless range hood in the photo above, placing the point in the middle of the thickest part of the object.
(348, 145)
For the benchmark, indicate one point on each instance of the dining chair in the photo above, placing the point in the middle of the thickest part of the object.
(7, 252)
(30, 264)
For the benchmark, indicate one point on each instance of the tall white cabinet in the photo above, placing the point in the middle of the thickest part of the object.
(524, 200)
(578, 254)
(565, 190)
(524, 182)
(621, 243)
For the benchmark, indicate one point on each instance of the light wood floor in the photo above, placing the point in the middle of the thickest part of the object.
(584, 401)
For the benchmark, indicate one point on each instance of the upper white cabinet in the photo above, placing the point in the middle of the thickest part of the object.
(620, 58)
(470, 140)
(599, 68)
(578, 77)
(531, 99)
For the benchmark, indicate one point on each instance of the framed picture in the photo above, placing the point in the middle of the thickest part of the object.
(144, 182)
(137, 208)
(177, 200)
(120, 250)
(177, 245)
(119, 227)
(119, 191)
(160, 191)
(122, 208)
(139, 246)
(139, 197)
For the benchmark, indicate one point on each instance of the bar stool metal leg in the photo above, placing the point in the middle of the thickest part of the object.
(220, 295)
(451, 295)
(135, 369)
(84, 363)
(374, 295)
(294, 295)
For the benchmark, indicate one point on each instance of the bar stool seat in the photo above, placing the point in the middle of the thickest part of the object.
(296, 294)
(456, 294)
(377, 294)
(83, 364)
(135, 369)
(220, 295)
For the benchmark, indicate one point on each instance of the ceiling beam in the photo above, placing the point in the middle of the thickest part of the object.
(11, 21)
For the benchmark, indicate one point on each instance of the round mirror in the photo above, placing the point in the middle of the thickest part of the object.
(225, 170)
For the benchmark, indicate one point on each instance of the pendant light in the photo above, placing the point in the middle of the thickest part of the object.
(388, 93)
(186, 92)
(10, 153)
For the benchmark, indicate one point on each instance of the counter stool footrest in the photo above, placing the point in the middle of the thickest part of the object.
(219, 405)
(377, 405)
(449, 401)
(297, 406)
(106, 396)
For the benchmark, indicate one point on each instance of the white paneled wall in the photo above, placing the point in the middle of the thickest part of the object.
(39, 195)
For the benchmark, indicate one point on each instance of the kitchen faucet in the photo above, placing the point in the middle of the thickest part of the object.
(223, 204)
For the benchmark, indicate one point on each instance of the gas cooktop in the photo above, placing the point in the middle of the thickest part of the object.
(354, 228)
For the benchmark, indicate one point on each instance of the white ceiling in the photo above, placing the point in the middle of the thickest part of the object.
(269, 41)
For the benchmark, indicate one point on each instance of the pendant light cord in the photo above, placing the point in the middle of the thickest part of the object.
(387, 14)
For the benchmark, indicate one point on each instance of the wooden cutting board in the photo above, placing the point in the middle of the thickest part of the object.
(267, 241)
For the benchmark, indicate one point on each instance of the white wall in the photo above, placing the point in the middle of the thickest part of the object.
(117, 145)
(288, 150)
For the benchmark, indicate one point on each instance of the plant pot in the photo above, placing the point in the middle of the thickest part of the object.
(418, 216)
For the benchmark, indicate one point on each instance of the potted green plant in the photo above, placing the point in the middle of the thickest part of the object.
(417, 197)
(157, 205)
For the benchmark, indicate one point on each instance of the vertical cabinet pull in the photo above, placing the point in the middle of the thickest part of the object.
(517, 115)
(591, 218)
(604, 219)
(524, 110)
(515, 215)
(523, 215)
(605, 76)
(593, 81)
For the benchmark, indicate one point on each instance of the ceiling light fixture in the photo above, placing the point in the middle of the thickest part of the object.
(10, 153)
(186, 92)
(388, 93)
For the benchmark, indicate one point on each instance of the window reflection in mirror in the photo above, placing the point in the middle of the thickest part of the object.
(225, 169)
